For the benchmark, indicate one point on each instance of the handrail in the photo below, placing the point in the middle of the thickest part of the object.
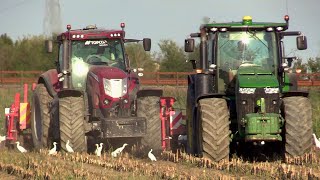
(149, 78)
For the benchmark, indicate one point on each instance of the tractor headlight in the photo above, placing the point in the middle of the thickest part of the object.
(115, 87)
(271, 90)
(247, 90)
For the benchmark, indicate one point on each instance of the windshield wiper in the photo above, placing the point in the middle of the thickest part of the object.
(253, 33)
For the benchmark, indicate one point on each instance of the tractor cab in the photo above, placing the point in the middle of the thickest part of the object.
(244, 84)
(239, 46)
(81, 49)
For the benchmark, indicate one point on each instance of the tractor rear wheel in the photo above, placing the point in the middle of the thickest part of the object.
(40, 117)
(298, 125)
(148, 107)
(71, 115)
(214, 133)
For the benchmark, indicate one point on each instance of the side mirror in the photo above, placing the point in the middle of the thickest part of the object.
(189, 45)
(302, 43)
(49, 46)
(147, 44)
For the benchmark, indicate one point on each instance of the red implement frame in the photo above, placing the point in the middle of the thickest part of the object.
(171, 126)
(13, 123)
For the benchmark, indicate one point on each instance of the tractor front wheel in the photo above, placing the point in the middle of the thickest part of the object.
(214, 128)
(40, 117)
(149, 108)
(298, 125)
(71, 115)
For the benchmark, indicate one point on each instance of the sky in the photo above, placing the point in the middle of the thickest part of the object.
(164, 19)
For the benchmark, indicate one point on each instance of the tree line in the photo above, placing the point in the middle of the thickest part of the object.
(29, 53)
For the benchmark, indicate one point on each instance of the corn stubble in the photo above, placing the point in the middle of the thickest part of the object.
(178, 165)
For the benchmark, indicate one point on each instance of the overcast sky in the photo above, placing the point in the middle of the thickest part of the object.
(163, 19)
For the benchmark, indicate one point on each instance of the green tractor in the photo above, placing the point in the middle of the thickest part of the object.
(244, 92)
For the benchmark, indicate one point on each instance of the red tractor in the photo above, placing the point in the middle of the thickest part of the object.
(93, 93)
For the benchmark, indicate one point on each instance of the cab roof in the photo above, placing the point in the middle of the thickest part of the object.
(247, 23)
(91, 33)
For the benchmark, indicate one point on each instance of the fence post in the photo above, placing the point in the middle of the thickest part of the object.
(177, 78)
(158, 78)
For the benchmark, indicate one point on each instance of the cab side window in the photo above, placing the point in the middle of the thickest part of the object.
(60, 58)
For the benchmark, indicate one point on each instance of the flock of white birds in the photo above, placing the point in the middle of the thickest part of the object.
(115, 153)
(69, 149)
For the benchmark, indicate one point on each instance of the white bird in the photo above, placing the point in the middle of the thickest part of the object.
(151, 156)
(20, 148)
(119, 150)
(316, 141)
(68, 147)
(99, 149)
(96, 151)
(3, 138)
(53, 151)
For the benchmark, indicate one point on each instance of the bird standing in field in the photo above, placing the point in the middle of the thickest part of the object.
(316, 141)
(53, 151)
(3, 138)
(151, 156)
(98, 149)
(20, 148)
(119, 150)
(68, 147)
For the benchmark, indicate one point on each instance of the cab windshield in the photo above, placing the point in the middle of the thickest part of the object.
(99, 52)
(247, 48)
(87, 53)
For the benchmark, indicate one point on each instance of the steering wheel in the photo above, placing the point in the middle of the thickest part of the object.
(92, 59)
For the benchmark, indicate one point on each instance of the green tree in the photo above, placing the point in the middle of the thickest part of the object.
(30, 54)
(139, 58)
(172, 57)
(314, 64)
(6, 51)
(299, 65)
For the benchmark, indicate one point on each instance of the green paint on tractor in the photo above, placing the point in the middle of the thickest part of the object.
(246, 90)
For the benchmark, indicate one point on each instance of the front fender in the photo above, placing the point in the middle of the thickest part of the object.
(51, 81)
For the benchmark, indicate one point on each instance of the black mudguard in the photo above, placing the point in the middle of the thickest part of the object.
(150, 92)
(69, 92)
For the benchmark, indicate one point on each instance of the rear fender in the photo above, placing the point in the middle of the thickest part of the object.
(149, 92)
(51, 81)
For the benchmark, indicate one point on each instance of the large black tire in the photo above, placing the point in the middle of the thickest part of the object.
(40, 117)
(71, 115)
(149, 108)
(298, 125)
(214, 126)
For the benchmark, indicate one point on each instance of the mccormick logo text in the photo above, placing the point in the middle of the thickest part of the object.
(100, 43)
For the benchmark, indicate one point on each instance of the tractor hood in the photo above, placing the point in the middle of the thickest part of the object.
(256, 76)
(107, 72)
